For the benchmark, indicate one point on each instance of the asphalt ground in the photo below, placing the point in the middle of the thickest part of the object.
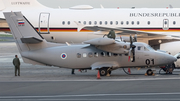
(53, 83)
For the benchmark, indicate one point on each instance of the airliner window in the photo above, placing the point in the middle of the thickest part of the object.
(90, 54)
(174, 22)
(108, 54)
(127, 22)
(116, 22)
(78, 55)
(95, 54)
(84, 22)
(121, 22)
(63, 22)
(95, 22)
(103, 54)
(165, 22)
(105, 22)
(89, 22)
(137, 22)
(111, 22)
(68, 22)
(100, 22)
(79, 21)
(132, 22)
(148, 22)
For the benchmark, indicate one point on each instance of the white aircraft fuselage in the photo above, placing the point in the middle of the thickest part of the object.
(58, 25)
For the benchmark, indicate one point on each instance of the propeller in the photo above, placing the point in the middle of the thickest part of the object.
(132, 50)
(135, 38)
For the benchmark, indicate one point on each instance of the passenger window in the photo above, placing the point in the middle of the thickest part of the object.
(84, 22)
(138, 23)
(95, 22)
(108, 54)
(63, 22)
(100, 22)
(132, 22)
(174, 22)
(111, 22)
(84, 55)
(68, 22)
(115, 54)
(78, 55)
(95, 54)
(90, 54)
(116, 22)
(121, 22)
(103, 54)
(127, 22)
(148, 22)
(106, 23)
(126, 54)
(89, 22)
(79, 21)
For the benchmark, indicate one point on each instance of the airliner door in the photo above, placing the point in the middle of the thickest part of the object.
(44, 23)
(165, 24)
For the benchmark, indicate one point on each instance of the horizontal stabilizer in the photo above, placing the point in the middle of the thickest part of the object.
(100, 41)
(31, 40)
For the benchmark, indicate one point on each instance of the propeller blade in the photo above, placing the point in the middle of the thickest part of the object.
(135, 38)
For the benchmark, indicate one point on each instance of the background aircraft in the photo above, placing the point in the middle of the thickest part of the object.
(104, 54)
(81, 23)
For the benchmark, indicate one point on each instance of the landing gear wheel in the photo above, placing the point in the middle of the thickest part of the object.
(109, 72)
(103, 71)
(149, 72)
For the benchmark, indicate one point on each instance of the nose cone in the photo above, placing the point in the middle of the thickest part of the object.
(164, 58)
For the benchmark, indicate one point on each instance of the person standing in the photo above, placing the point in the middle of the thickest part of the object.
(16, 64)
(72, 72)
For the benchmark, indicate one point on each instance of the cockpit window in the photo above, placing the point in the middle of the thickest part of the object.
(139, 48)
(150, 48)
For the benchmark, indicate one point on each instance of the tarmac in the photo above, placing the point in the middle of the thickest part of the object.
(54, 83)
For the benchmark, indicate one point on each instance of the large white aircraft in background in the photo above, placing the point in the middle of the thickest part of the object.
(79, 23)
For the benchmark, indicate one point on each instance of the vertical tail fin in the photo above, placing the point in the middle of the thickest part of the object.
(26, 37)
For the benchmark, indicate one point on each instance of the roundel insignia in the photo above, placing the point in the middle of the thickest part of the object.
(63, 56)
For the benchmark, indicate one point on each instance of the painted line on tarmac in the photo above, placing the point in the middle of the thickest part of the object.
(94, 80)
(88, 95)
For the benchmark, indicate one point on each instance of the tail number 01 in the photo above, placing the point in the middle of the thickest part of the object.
(149, 61)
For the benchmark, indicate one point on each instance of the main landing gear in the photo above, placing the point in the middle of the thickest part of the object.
(105, 71)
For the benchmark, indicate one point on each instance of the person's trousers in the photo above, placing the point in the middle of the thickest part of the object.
(17, 68)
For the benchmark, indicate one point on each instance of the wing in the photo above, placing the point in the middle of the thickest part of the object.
(109, 45)
(121, 31)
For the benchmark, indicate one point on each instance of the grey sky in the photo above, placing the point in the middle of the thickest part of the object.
(112, 3)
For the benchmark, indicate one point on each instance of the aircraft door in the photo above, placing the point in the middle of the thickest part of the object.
(44, 23)
(165, 24)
